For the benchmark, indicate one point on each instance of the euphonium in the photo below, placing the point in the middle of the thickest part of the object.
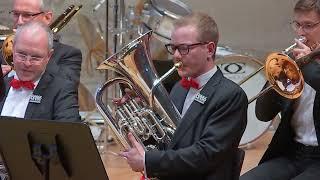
(56, 26)
(153, 120)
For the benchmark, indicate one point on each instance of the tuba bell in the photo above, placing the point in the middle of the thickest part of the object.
(153, 120)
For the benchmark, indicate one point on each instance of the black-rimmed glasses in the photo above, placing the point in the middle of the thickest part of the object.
(182, 48)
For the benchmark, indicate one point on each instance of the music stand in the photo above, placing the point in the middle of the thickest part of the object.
(50, 150)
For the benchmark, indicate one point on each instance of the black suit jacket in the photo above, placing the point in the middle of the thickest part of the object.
(68, 59)
(59, 98)
(270, 104)
(205, 142)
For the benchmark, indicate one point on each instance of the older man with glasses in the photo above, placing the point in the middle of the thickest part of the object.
(294, 152)
(213, 108)
(35, 92)
(68, 58)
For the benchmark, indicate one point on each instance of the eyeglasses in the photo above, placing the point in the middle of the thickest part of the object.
(25, 15)
(307, 27)
(24, 57)
(182, 48)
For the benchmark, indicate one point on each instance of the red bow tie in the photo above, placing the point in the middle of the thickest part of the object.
(187, 83)
(17, 84)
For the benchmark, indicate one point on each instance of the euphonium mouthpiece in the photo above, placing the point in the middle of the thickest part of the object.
(178, 65)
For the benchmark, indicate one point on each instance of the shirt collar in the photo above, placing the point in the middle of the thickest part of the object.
(35, 82)
(204, 78)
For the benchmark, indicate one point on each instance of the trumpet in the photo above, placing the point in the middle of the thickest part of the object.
(56, 26)
(283, 73)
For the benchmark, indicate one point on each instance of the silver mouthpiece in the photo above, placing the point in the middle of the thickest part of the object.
(288, 49)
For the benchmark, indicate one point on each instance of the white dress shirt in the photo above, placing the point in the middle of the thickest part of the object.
(302, 119)
(192, 93)
(17, 101)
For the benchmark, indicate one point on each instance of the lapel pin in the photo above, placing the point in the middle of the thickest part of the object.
(200, 98)
(35, 99)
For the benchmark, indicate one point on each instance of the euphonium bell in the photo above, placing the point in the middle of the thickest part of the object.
(56, 26)
(152, 121)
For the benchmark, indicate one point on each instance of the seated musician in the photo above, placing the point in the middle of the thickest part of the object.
(67, 58)
(294, 152)
(214, 111)
(37, 92)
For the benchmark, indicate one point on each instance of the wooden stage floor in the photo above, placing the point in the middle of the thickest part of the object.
(118, 169)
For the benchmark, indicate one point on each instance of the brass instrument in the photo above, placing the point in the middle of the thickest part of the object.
(64, 18)
(284, 75)
(56, 26)
(285, 51)
(153, 120)
(4, 32)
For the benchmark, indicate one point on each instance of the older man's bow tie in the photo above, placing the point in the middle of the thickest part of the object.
(187, 83)
(17, 84)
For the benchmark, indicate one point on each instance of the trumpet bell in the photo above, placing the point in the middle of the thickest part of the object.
(284, 75)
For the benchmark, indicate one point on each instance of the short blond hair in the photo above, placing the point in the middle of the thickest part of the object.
(205, 25)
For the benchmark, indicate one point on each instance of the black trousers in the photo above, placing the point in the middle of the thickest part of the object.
(303, 163)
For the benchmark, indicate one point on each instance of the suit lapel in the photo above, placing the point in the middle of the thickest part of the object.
(7, 87)
(196, 108)
(39, 91)
(179, 97)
